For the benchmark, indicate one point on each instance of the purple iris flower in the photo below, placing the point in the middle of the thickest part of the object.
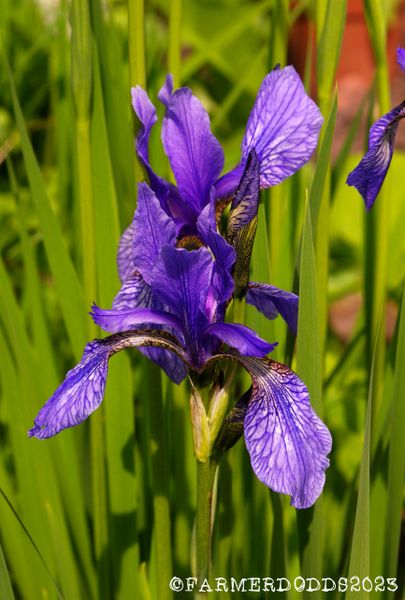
(370, 173)
(178, 278)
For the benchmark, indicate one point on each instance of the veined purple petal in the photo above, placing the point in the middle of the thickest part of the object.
(370, 173)
(167, 193)
(283, 126)
(115, 321)
(136, 293)
(226, 185)
(242, 338)
(288, 444)
(271, 301)
(133, 293)
(195, 155)
(171, 364)
(83, 388)
(124, 255)
(224, 254)
(181, 280)
(152, 228)
(401, 58)
(146, 113)
(166, 90)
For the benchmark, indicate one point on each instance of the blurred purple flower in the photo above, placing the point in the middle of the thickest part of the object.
(178, 276)
(370, 173)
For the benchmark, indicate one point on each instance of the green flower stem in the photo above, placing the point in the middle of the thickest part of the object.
(175, 40)
(160, 481)
(204, 517)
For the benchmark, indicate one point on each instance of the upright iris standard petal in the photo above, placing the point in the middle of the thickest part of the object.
(83, 388)
(370, 173)
(195, 155)
(242, 338)
(271, 301)
(401, 58)
(181, 280)
(288, 444)
(153, 229)
(166, 192)
(146, 113)
(283, 126)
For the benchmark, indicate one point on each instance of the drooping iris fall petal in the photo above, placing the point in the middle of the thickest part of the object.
(271, 301)
(370, 173)
(287, 442)
(83, 388)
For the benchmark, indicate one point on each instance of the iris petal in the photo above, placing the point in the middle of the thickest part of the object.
(271, 301)
(195, 155)
(146, 113)
(83, 388)
(115, 321)
(242, 338)
(288, 444)
(401, 58)
(226, 185)
(181, 280)
(124, 255)
(283, 126)
(224, 254)
(370, 173)
(134, 292)
(153, 229)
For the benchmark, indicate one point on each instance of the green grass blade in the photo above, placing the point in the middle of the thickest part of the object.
(322, 165)
(309, 368)
(118, 403)
(66, 281)
(66, 459)
(359, 564)
(174, 53)
(6, 591)
(308, 348)
(396, 468)
(329, 46)
(32, 542)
